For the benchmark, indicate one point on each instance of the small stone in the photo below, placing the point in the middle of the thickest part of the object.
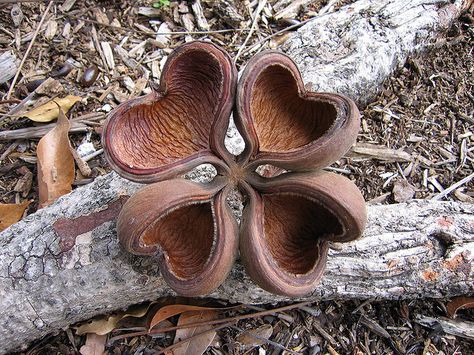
(403, 191)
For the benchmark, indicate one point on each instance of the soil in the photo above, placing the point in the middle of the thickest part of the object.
(426, 109)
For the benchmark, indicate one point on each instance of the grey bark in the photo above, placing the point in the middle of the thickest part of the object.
(62, 264)
(352, 51)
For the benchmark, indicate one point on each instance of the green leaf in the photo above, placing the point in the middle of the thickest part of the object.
(161, 3)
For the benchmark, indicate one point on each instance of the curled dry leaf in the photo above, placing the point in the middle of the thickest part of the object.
(11, 213)
(50, 110)
(255, 337)
(105, 325)
(174, 309)
(198, 344)
(55, 163)
(458, 303)
(95, 345)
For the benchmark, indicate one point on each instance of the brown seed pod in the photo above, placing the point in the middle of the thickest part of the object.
(89, 76)
(172, 130)
(288, 219)
(189, 226)
(285, 125)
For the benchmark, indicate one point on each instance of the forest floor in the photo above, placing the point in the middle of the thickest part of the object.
(425, 109)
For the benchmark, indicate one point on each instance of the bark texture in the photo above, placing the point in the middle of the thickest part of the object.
(353, 50)
(63, 264)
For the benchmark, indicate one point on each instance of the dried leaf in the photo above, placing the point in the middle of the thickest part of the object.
(255, 337)
(95, 345)
(105, 325)
(174, 309)
(49, 111)
(458, 303)
(199, 344)
(11, 213)
(55, 163)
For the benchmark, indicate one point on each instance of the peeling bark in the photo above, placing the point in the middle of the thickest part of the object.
(63, 264)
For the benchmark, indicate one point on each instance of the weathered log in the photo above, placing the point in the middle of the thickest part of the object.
(63, 264)
(352, 51)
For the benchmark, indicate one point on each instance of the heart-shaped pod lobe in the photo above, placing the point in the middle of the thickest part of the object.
(167, 132)
(285, 125)
(188, 226)
(287, 224)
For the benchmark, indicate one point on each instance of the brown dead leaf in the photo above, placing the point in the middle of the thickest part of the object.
(105, 325)
(255, 337)
(50, 110)
(95, 345)
(11, 213)
(174, 309)
(199, 344)
(458, 303)
(55, 163)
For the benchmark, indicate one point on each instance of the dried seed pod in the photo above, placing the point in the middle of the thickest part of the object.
(287, 225)
(285, 125)
(173, 129)
(89, 76)
(288, 220)
(188, 226)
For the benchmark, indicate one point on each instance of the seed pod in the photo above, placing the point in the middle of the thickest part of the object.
(89, 76)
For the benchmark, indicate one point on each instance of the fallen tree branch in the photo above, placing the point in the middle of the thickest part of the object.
(353, 50)
(63, 264)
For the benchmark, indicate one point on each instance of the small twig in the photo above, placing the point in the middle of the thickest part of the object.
(286, 29)
(38, 132)
(11, 101)
(29, 49)
(453, 187)
(261, 5)
(93, 155)
(322, 12)
(10, 149)
(84, 168)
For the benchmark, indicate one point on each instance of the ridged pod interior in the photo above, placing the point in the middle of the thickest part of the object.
(173, 125)
(286, 125)
(283, 120)
(186, 237)
(288, 223)
(293, 234)
(178, 123)
(188, 227)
